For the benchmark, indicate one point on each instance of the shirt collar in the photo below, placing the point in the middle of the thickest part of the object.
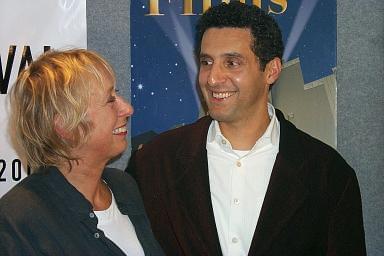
(67, 193)
(270, 136)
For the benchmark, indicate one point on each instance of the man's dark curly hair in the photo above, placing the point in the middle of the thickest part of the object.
(267, 40)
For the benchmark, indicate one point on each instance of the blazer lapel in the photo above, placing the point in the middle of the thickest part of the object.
(285, 193)
(284, 196)
(193, 198)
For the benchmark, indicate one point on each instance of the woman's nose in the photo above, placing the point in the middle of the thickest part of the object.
(124, 107)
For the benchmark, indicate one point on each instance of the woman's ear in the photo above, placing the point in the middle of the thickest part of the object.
(273, 70)
(59, 128)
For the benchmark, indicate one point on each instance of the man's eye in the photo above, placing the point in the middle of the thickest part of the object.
(232, 63)
(204, 62)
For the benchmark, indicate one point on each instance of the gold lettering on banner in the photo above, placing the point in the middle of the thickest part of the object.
(188, 7)
(206, 5)
(257, 3)
(154, 9)
(283, 5)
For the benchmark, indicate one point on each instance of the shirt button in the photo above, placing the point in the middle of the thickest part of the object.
(96, 235)
(223, 142)
(236, 201)
(238, 164)
(91, 215)
(235, 240)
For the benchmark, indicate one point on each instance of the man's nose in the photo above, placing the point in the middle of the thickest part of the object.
(216, 75)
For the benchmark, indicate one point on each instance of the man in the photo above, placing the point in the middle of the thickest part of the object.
(243, 180)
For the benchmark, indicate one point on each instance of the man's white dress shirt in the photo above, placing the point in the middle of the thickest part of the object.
(238, 183)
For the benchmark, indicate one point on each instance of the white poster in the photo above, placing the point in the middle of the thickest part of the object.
(27, 28)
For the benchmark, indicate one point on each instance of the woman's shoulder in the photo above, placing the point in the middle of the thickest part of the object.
(23, 200)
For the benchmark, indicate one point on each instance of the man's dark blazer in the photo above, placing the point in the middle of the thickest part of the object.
(312, 205)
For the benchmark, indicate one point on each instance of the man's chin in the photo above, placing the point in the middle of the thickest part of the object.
(219, 116)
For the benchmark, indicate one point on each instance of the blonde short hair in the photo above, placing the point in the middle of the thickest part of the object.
(56, 85)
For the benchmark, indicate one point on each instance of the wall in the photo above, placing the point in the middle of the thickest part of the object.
(360, 73)
(108, 33)
(310, 107)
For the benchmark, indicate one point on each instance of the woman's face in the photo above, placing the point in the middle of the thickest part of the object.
(108, 114)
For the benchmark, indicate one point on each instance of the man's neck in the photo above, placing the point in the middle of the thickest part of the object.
(243, 134)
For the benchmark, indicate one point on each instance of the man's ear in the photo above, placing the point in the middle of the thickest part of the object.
(273, 70)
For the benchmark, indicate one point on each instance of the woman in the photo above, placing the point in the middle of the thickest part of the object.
(68, 122)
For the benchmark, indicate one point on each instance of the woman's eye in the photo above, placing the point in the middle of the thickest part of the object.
(112, 99)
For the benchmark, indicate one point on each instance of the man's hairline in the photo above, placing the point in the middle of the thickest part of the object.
(251, 46)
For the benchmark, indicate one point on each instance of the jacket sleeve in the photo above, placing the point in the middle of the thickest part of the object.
(11, 242)
(345, 231)
(131, 165)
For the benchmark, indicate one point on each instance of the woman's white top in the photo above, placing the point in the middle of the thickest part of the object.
(119, 229)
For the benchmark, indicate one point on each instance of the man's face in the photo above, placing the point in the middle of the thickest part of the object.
(232, 83)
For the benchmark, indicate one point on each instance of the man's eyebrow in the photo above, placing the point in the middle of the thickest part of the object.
(228, 54)
(204, 55)
(232, 54)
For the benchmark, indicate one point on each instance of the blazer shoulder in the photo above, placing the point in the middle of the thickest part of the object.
(170, 140)
(300, 147)
(121, 183)
(320, 150)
